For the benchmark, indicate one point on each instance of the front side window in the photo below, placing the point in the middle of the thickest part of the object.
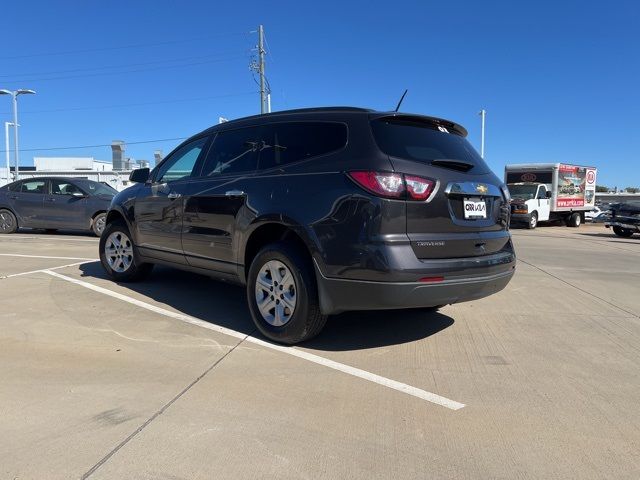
(284, 143)
(232, 152)
(62, 187)
(32, 186)
(182, 162)
(542, 193)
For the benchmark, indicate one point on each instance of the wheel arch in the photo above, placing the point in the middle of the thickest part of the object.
(270, 231)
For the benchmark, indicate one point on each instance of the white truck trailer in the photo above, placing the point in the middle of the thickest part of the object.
(543, 192)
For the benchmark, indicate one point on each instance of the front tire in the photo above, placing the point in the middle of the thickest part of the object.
(622, 232)
(119, 256)
(533, 221)
(283, 296)
(8, 221)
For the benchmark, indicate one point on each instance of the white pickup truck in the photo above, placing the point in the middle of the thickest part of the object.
(550, 191)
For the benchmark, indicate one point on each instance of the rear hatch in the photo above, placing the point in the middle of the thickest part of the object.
(467, 215)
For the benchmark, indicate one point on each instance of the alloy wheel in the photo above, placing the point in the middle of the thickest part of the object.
(118, 251)
(6, 222)
(276, 293)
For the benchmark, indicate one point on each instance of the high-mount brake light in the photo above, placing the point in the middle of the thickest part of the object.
(394, 185)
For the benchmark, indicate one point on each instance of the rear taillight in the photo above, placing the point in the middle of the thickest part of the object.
(394, 185)
(419, 188)
(381, 183)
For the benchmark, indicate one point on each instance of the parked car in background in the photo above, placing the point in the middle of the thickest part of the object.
(320, 211)
(624, 219)
(55, 203)
(591, 215)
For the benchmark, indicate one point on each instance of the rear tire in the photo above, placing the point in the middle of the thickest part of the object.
(283, 296)
(622, 232)
(98, 223)
(574, 220)
(533, 221)
(119, 256)
(8, 221)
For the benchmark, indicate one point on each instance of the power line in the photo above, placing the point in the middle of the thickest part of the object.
(96, 146)
(120, 47)
(124, 71)
(140, 104)
(106, 67)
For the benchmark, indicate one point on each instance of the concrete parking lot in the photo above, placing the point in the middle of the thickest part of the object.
(167, 379)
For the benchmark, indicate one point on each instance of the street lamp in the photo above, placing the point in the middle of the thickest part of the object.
(6, 147)
(483, 114)
(14, 94)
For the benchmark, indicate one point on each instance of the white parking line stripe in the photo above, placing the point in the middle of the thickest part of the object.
(356, 372)
(42, 256)
(44, 270)
(53, 239)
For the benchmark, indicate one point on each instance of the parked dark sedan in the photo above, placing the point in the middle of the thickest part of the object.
(55, 203)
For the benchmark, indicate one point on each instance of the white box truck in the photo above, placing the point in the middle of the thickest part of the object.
(543, 192)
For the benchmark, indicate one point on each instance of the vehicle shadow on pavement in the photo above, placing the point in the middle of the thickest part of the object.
(610, 236)
(225, 305)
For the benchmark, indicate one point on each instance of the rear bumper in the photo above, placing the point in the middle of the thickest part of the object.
(339, 295)
(520, 217)
(627, 225)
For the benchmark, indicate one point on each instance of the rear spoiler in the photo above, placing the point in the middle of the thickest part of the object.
(410, 117)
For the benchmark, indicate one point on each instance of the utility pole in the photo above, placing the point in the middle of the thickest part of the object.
(482, 114)
(263, 98)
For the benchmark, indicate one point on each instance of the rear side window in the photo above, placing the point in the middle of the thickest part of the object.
(33, 186)
(232, 152)
(424, 142)
(284, 143)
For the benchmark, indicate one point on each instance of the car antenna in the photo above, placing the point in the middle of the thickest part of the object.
(401, 99)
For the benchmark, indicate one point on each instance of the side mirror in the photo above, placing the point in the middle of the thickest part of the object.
(140, 175)
(548, 193)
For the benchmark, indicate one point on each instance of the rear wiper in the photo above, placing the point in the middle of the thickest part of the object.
(453, 164)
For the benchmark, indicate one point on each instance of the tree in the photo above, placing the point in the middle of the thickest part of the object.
(633, 190)
(602, 189)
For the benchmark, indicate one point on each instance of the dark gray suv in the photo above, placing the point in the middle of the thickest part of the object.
(320, 211)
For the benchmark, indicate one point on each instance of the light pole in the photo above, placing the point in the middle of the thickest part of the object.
(6, 147)
(14, 94)
(482, 113)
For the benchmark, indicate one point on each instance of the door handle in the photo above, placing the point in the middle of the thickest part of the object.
(51, 199)
(234, 193)
(13, 197)
(173, 196)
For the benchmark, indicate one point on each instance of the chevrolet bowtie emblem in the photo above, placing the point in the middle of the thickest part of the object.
(481, 188)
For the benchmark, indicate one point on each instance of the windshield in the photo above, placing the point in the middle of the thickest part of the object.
(523, 192)
(96, 188)
(424, 142)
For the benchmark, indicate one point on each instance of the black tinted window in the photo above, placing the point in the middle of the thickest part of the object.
(284, 143)
(424, 142)
(232, 151)
(14, 187)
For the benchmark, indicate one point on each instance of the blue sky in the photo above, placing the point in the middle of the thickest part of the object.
(559, 80)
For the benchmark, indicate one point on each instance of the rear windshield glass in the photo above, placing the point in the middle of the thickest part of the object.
(423, 142)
